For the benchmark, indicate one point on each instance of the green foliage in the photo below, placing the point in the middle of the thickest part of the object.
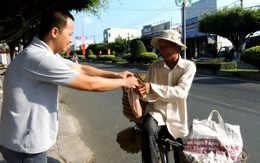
(128, 57)
(228, 65)
(78, 52)
(119, 46)
(89, 52)
(215, 64)
(146, 41)
(91, 57)
(73, 53)
(136, 49)
(24, 15)
(210, 60)
(97, 48)
(81, 57)
(252, 56)
(147, 57)
(232, 23)
(119, 60)
(66, 57)
(238, 19)
(106, 57)
(113, 52)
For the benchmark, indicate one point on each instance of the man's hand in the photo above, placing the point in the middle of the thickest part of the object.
(131, 82)
(143, 89)
(125, 74)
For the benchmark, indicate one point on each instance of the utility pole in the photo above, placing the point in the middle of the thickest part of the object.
(183, 32)
(241, 2)
(82, 21)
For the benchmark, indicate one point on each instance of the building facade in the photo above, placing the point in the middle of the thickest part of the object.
(202, 44)
(113, 34)
(152, 31)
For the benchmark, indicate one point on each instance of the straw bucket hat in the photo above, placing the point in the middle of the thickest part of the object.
(169, 35)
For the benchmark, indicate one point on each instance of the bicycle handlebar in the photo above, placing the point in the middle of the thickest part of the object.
(171, 142)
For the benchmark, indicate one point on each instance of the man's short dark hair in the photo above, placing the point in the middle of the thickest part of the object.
(53, 18)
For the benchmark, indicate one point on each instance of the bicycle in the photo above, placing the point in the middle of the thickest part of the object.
(166, 144)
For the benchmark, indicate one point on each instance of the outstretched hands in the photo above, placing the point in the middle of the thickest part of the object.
(131, 82)
(143, 89)
(125, 74)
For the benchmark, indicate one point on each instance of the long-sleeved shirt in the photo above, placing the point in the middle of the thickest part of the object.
(170, 88)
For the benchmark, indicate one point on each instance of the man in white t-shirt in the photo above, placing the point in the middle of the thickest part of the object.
(29, 118)
(166, 88)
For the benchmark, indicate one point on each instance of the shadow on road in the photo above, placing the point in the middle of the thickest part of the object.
(52, 160)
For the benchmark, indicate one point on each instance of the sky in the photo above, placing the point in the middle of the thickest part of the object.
(134, 14)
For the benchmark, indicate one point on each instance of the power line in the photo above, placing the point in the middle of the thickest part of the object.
(149, 17)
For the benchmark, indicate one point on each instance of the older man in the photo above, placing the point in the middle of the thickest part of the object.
(167, 85)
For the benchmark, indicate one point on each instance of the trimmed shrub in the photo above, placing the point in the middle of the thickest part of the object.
(89, 52)
(252, 56)
(91, 57)
(147, 57)
(136, 49)
(81, 57)
(118, 60)
(128, 57)
(215, 64)
(105, 57)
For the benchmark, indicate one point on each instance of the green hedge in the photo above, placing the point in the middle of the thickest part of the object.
(147, 57)
(91, 57)
(118, 60)
(216, 66)
(252, 56)
(106, 57)
(81, 57)
(128, 57)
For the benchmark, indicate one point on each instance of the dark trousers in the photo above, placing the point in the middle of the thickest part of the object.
(16, 157)
(150, 133)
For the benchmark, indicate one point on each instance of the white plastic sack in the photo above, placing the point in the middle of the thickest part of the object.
(134, 103)
(211, 142)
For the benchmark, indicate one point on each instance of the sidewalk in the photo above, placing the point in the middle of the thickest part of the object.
(69, 148)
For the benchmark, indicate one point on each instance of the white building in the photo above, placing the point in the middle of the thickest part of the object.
(113, 34)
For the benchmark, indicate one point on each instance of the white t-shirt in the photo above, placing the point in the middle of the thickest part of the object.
(29, 118)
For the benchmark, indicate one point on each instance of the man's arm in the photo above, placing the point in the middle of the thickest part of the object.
(92, 71)
(97, 80)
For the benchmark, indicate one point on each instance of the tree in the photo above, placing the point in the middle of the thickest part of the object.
(22, 16)
(147, 41)
(97, 49)
(136, 49)
(235, 24)
(120, 46)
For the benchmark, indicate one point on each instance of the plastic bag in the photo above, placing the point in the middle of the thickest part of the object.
(134, 103)
(211, 142)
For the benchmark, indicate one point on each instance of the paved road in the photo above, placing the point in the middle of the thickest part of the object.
(100, 114)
